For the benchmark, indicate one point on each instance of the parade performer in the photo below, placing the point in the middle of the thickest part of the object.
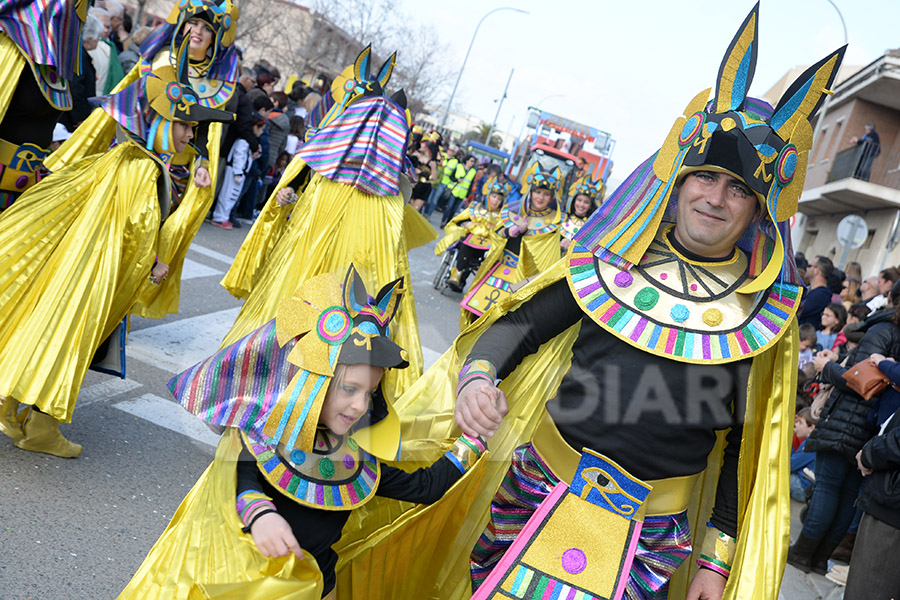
(197, 39)
(531, 231)
(583, 201)
(40, 48)
(667, 340)
(77, 249)
(299, 456)
(339, 202)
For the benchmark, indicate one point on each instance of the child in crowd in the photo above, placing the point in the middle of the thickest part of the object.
(238, 164)
(802, 462)
(273, 175)
(295, 137)
(808, 339)
(834, 317)
(307, 429)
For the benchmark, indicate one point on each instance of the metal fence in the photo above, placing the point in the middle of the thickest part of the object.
(862, 162)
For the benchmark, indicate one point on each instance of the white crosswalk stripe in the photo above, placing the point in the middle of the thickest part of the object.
(169, 414)
(192, 270)
(211, 253)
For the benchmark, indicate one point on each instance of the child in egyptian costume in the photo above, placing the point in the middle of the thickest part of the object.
(40, 50)
(198, 41)
(309, 439)
(680, 369)
(478, 229)
(340, 200)
(531, 233)
(78, 249)
(583, 201)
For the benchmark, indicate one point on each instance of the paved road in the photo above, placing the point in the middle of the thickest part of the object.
(78, 529)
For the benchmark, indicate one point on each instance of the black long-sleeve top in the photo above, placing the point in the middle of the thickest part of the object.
(30, 117)
(318, 530)
(656, 417)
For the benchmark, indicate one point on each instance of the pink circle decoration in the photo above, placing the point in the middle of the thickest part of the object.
(506, 271)
(174, 91)
(693, 287)
(334, 325)
(663, 275)
(623, 279)
(691, 129)
(574, 561)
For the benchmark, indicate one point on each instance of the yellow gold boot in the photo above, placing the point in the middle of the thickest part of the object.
(10, 422)
(453, 280)
(42, 435)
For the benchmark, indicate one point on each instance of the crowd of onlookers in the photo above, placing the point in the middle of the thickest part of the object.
(845, 465)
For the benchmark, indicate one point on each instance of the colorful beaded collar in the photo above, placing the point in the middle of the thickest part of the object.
(336, 475)
(680, 308)
(212, 93)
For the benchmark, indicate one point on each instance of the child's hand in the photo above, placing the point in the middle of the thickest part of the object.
(273, 536)
(201, 178)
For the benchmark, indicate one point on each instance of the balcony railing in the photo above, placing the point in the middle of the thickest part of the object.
(858, 162)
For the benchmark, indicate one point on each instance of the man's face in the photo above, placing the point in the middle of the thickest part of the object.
(105, 20)
(714, 210)
(470, 163)
(581, 164)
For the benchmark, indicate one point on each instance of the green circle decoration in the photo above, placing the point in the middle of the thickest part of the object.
(646, 298)
(326, 468)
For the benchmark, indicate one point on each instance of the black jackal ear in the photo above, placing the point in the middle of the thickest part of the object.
(399, 98)
(738, 65)
(384, 74)
(804, 97)
(361, 65)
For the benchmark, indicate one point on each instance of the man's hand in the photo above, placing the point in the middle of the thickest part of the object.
(862, 468)
(273, 536)
(480, 408)
(707, 585)
(201, 178)
(877, 358)
(820, 360)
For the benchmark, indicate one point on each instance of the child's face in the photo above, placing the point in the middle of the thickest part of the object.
(540, 198)
(348, 397)
(258, 129)
(495, 201)
(828, 318)
(582, 205)
(805, 345)
(801, 429)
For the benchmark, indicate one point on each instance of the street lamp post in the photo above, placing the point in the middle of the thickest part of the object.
(466, 59)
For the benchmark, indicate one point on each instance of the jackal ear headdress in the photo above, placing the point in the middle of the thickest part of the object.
(767, 148)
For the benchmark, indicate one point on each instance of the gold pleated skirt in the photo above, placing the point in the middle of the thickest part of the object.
(75, 251)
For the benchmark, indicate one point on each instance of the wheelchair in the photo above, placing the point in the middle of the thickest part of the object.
(448, 261)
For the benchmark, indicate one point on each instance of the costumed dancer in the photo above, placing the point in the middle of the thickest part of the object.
(531, 231)
(76, 252)
(198, 41)
(339, 202)
(40, 51)
(583, 201)
(667, 340)
(297, 458)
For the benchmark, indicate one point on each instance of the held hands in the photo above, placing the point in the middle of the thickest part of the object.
(480, 408)
(822, 358)
(201, 178)
(285, 196)
(273, 536)
(706, 585)
(159, 273)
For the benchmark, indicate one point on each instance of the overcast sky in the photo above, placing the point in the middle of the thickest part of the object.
(631, 66)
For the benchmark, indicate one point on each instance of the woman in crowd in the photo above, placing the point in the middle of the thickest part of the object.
(582, 204)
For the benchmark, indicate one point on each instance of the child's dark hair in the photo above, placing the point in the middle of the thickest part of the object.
(806, 415)
(859, 310)
(807, 333)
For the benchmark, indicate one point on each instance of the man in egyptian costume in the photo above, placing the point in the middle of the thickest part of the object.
(666, 339)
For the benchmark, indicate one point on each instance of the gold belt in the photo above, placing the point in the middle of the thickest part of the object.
(669, 496)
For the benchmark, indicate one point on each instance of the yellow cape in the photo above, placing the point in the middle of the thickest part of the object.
(76, 250)
(331, 226)
(94, 136)
(12, 61)
(426, 412)
(203, 554)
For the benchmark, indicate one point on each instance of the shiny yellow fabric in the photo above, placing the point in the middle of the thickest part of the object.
(333, 226)
(538, 253)
(202, 554)
(178, 232)
(76, 250)
(268, 228)
(416, 228)
(12, 61)
(426, 412)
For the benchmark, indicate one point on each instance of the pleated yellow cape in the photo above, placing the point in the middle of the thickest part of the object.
(426, 411)
(75, 252)
(203, 554)
(94, 136)
(331, 226)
